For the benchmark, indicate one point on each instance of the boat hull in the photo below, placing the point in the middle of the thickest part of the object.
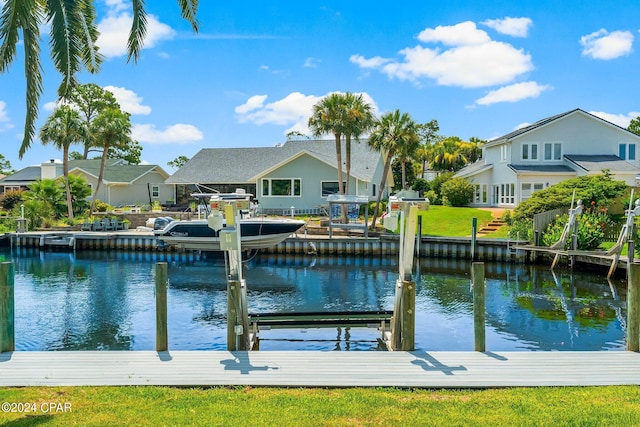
(256, 233)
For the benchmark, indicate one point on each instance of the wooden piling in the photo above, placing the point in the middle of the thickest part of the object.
(7, 313)
(474, 229)
(477, 279)
(404, 317)
(162, 338)
(633, 308)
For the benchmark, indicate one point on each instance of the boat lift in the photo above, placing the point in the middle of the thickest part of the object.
(397, 327)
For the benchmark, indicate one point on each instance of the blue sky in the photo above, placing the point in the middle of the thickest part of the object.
(255, 69)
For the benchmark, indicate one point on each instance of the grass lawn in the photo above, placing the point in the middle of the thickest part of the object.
(243, 406)
(453, 222)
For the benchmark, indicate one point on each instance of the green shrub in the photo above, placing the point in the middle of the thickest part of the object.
(456, 192)
(10, 199)
(434, 198)
(101, 206)
(522, 230)
(591, 230)
(421, 185)
(372, 206)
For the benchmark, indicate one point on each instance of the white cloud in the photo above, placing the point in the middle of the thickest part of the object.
(465, 33)
(471, 60)
(605, 45)
(129, 101)
(114, 30)
(513, 93)
(293, 110)
(621, 120)
(5, 122)
(175, 134)
(515, 27)
(311, 63)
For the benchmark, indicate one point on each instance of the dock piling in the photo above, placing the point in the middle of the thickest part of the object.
(7, 313)
(633, 308)
(162, 339)
(478, 284)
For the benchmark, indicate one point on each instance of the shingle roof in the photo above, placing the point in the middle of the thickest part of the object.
(242, 165)
(28, 174)
(542, 168)
(596, 163)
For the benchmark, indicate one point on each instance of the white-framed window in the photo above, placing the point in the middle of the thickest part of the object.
(8, 188)
(480, 193)
(504, 153)
(328, 188)
(528, 188)
(529, 151)
(155, 191)
(552, 150)
(282, 187)
(508, 194)
(627, 151)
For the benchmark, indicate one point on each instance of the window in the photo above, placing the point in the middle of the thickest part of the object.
(480, 193)
(331, 187)
(507, 194)
(627, 151)
(282, 187)
(503, 153)
(8, 188)
(553, 151)
(155, 191)
(529, 151)
(528, 188)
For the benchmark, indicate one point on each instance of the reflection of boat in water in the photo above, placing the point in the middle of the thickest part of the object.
(204, 234)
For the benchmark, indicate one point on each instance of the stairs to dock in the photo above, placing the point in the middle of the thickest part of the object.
(492, 226)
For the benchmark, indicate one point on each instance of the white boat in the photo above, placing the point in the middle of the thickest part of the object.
(255, 232)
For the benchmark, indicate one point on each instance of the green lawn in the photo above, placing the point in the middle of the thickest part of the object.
(452, 222)
(246, 406)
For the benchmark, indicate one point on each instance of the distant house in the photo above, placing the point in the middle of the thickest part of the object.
(299, 174)
(123, 184)
(547, 152)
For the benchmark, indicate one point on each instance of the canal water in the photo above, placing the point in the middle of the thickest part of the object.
(105, 301)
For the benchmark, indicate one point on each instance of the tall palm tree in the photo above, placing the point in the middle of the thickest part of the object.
(329, 117)
(393, 132)
(63, 128)
(448, 155)
(110, 129)
(428, 133)
(358, 120)
(72, 42)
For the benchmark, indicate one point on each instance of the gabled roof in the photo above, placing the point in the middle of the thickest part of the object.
(28, 174)
(245, 165)
(473, 169)
(596, 163)
(547, 121)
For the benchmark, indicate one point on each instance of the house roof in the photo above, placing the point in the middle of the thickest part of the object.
(546, 121)
(541, 169)
(245, 165)
(596, 163)
(473, 169)
(116, 171)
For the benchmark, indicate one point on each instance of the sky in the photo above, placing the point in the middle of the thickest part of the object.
(255, 69)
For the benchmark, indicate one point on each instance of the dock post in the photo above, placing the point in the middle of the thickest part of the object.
(7, 313)
(162, 339)
(474, 229)
(477, 282)
(404, 316)
(633, 308)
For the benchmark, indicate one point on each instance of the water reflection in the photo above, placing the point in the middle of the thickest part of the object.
(105, 300)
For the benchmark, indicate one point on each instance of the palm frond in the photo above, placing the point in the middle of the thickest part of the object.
(9, 26)
(87, 35)
(189, 10)
(62, 15)
(29, 20)
(138, 30)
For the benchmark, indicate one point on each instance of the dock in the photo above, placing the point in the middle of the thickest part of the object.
(421, 369)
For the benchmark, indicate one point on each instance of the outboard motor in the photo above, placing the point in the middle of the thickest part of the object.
(161, 222)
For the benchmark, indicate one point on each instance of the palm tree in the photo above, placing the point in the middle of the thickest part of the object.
(110, 129)
(358, 120)
(329, 117)
(428, 133)
(393, 132)
(72, 42)
(63, 128)
(448, 155)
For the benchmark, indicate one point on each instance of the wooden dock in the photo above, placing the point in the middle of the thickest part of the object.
(320, 369)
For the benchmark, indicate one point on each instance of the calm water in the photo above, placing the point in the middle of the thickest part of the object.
(105, 301)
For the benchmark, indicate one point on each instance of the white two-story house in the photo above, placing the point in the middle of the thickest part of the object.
(549, 151)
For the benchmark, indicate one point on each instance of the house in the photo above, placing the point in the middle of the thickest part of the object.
(298, 174)
(123, 184)
(568, 145)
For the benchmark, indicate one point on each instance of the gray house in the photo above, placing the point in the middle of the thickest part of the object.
(123, 184)
(298, 174)
(551, 150)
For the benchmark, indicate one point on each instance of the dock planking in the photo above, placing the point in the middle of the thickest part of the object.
(320, 369)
